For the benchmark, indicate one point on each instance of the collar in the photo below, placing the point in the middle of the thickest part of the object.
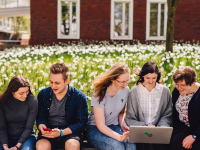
(156, 87)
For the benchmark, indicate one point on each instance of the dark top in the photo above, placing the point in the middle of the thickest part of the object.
(57, 112)
(17, 118)
(193, 114)
(76, 109)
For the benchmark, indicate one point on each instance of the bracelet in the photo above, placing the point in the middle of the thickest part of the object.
(61, 132)
(17, 147)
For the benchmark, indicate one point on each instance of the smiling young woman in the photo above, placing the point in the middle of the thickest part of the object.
(18, 110)
(106, 122)
(149, 103)
(186, 110)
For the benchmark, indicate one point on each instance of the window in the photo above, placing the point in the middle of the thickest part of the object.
(121, 20)
(14, 22)
(68, 26)
(156, 23)
(14, 3)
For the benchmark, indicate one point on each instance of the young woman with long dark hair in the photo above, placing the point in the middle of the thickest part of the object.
(18, 110)
(149, 103)
(107, 129)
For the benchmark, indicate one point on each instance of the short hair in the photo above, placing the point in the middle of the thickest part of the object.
(185, 73)
(60, 68)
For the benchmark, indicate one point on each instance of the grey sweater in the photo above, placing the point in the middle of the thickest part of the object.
(134, 114)
(17, 118)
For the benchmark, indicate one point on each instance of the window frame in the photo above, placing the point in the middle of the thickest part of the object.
(148, 37)
(59, 36)
(130, 37)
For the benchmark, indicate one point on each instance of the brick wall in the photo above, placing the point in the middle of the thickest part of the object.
(95, 21)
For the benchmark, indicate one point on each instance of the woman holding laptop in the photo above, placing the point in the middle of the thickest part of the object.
(186, 110)
(149, 103)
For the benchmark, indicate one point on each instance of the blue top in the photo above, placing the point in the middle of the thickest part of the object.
(193, 113)
(76, 109)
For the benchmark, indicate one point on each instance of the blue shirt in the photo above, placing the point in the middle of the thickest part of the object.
(76, 108)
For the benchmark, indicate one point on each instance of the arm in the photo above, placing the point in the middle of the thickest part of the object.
(100, 122)
(122, 122)
(166, 118)
(41, 117)
(132, 117)
(3, 128)
(33, 108)
(81, 115)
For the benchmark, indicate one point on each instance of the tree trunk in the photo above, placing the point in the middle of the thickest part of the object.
(172, 4)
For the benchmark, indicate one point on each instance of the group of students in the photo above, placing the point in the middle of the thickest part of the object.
(61, 111)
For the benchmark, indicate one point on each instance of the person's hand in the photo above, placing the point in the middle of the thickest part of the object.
(150, 125)
(41, 126)
(124, 127)
(13, 148)
(53, 134)
(188, 141)
(124, 136)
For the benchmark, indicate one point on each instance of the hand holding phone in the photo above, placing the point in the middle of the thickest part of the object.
(47, 129)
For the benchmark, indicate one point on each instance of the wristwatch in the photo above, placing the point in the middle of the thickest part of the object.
(194, 136)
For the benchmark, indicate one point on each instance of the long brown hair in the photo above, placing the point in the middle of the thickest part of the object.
(104, 80)
(15, 83)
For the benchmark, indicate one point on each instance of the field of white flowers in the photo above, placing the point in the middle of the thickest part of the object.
(88, 61)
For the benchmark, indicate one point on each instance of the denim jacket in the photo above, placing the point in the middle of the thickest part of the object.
(76, 108)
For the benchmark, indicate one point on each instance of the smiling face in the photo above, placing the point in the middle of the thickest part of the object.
(122, 81)
(21, 94)
(183, 88)
(57, 83)
(150, 79)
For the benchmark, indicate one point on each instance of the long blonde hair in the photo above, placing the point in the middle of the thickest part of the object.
(104, 80)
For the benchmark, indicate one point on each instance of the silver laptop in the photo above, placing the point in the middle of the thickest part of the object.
(145, 134)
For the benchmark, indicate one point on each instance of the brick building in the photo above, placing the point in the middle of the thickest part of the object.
(54, 21)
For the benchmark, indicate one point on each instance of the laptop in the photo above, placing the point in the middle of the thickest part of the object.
(154, 135)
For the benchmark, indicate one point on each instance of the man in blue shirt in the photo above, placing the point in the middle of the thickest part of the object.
(62, 112)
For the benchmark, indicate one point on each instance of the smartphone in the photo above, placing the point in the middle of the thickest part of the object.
(47, 129)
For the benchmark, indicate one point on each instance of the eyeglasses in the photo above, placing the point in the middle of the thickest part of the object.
(181, 86)
(124, 82)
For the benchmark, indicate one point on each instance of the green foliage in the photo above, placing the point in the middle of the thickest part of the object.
(88, 61)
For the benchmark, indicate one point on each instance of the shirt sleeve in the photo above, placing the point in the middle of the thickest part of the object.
(33, 108)
(81, 115)
(95, 102)
(3, 129)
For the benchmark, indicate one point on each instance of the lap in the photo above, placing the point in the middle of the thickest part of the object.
(29, 144)
(59, 142)
(101, 141)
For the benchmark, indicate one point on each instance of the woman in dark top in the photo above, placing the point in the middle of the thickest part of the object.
(18, 110)
(186, 110)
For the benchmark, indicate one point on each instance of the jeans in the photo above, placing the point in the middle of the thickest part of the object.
(104, 142)
(27, 145)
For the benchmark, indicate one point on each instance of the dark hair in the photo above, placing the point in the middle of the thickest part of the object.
(16, 82)
(60, 68)
(103, 81)
(148, 67)
(185, 73)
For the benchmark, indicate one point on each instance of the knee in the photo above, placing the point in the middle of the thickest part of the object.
(72, 144)
(43, 145)
(117, 145)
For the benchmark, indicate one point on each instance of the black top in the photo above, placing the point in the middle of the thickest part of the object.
(17, 118)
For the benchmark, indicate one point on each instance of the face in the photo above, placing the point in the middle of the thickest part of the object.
(122, 81)
(21, 94)
(183, 88)
(57, 83)
(150, 79)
